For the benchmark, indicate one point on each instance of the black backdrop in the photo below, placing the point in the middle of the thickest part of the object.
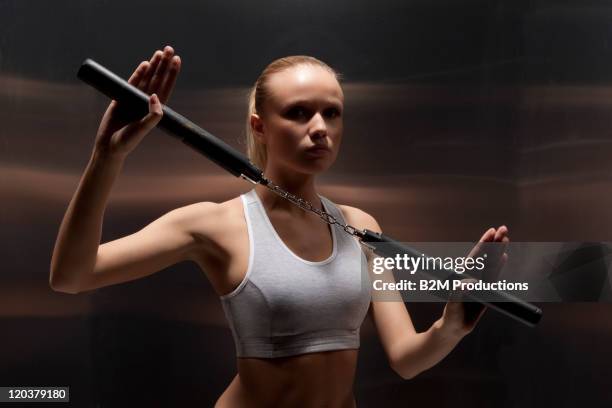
(460, 115)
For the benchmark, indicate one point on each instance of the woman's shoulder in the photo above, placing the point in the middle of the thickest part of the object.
(211, 207)
(205, 217)
(358, 218)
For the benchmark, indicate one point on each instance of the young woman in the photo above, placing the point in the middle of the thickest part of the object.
(285, 278)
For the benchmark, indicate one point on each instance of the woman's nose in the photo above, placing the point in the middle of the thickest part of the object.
(319, 127)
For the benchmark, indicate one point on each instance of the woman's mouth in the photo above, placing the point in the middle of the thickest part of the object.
(318, 151)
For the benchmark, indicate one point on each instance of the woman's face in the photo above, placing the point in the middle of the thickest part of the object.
(304, 111)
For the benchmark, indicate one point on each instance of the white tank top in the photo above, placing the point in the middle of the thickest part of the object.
(286, 305)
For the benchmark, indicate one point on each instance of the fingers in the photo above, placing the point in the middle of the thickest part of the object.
(158, 75)
(169, 80)
(488, 235)
(138, 73)
(151, 65)
(496, 261)
(495, 235)
(501, 232)
(501, 236)
(492, 235)
(494, 243)
(160, 72)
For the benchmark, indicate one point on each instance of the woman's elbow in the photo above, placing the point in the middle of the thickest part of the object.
(406, 374)
(61, 285)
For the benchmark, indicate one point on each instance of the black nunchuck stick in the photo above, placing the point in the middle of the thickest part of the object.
(501, 301)
(137, 103)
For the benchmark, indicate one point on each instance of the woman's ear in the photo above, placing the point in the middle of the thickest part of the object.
(257, 127)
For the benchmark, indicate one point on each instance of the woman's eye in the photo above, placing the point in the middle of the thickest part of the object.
(332, 113)
(297, 112)
(301, 113)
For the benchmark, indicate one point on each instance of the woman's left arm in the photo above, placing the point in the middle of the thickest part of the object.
(410, 353)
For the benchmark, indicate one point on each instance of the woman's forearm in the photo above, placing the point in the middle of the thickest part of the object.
(421, 351)
(80, 232)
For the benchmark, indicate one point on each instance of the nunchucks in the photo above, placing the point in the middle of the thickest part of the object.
(136, 102)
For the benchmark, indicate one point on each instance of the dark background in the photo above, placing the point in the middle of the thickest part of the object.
(460, 115)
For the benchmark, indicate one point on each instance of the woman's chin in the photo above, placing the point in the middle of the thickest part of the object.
(314, 167)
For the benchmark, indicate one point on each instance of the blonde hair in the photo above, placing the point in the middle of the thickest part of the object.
(258, 94)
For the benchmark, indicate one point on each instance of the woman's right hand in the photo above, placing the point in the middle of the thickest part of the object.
(118, 136)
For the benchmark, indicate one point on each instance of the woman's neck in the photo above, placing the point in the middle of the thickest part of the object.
(300, 185)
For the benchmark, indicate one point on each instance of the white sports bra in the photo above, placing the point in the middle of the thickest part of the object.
(287, 305)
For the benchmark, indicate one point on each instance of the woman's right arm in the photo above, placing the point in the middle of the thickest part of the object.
(79, 262)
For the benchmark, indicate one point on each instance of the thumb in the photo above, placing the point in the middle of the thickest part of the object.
(155, 114)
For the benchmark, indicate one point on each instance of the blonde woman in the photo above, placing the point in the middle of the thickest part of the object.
(289, 284)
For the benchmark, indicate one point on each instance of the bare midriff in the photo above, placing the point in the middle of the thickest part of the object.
(322, 379)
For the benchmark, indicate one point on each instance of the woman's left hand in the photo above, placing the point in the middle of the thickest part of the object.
(459, 318)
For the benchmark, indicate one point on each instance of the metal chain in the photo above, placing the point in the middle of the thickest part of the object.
(305, 205)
